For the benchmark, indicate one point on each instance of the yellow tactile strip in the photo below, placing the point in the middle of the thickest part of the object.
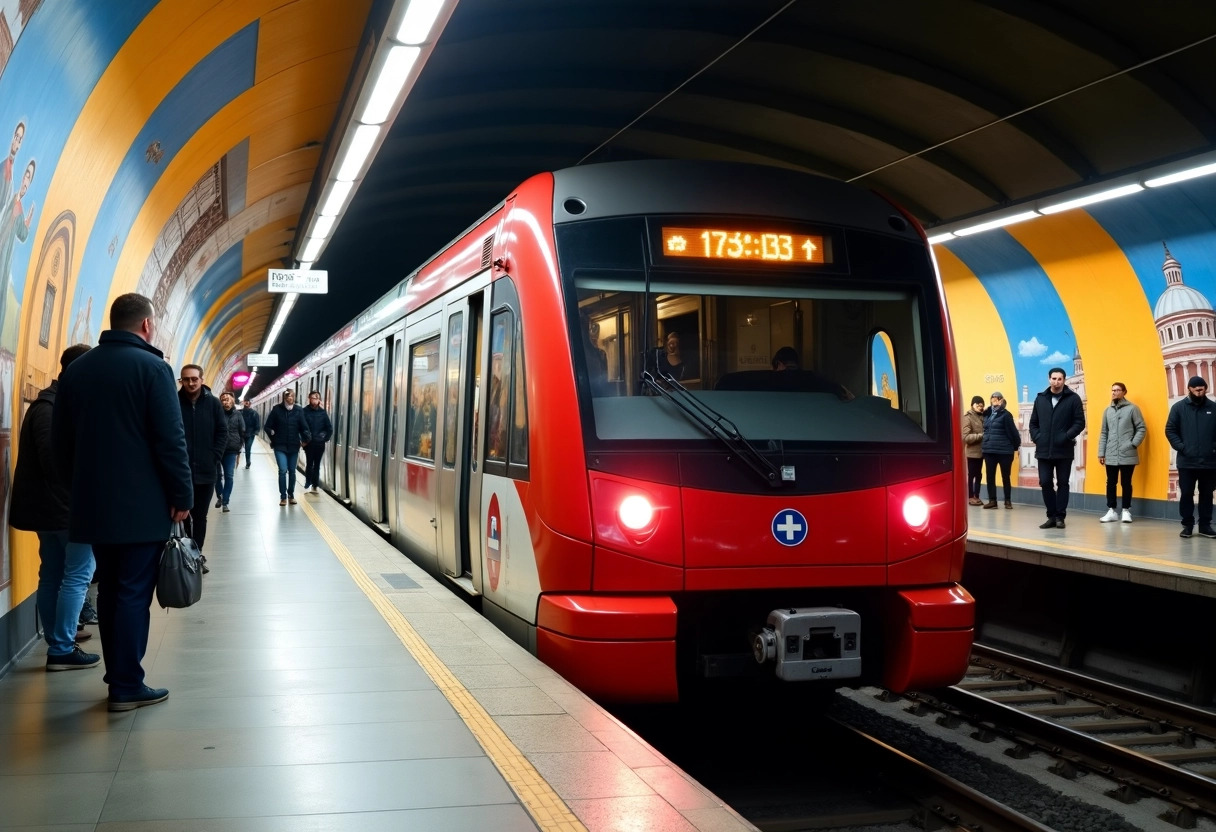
(547, 809)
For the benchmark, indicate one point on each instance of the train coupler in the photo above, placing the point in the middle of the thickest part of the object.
(811, 643)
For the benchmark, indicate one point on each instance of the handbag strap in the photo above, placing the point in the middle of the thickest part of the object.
(179, 530)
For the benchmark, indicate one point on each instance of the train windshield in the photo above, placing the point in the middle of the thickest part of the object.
(784, 363)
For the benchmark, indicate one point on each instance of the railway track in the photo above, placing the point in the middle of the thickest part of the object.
(1147, 746)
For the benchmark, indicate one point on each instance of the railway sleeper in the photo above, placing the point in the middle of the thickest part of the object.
(1031, 696)
(1181, 816)
(1107, 725)
(1057, 711)
(1153, 739)
(996, 684)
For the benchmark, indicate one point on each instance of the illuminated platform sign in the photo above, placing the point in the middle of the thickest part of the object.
(263, 359)
(304, 281)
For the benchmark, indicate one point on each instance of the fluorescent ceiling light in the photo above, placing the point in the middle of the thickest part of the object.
(389, 82)
(419, 18)
(321, 228)
(332, 204)
(360, 147)
(306, 265)
(986, 226)
(939, 238)
(1181, 176)
(1101, 196)
(311, 249)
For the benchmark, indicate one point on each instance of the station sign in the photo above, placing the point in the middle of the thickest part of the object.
(303, 281)
(263, 359)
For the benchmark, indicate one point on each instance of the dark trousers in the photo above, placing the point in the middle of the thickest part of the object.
(312, 463)
(196, 525)
(1053, 479)
(1005, 461)
(1115, 474)
(975, 466)
(248, 447)
(1187, 479)
(126, 579)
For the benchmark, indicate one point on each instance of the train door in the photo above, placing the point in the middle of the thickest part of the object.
(384, 410)
(364, 436)
(394, 462)
(459, 469)
(417, 493)
(327, 461)
(342, 431)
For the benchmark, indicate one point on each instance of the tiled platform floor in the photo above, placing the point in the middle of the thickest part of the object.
(306, 695)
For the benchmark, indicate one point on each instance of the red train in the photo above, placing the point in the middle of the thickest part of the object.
(669, 424)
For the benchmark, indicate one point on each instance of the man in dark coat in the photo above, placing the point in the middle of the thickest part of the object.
(321, 429)
(206, 435)
(287, 429)
(1055, 423)
(40, 504)
(253, 424)
(1191, 430)
(118, 441)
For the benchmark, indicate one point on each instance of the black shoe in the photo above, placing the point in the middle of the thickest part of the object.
(1207, 531)
(1050, 524)
(88, 615)
(1060, 523)
(202, 560)
(246, 466)
(131, 701)
(219, 503)
(76, 660)
(224, 509)
(1186, 532)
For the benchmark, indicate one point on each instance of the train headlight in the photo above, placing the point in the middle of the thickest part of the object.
(635, 513)
(916, 512)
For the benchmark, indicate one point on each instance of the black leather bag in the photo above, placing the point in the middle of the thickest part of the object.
(179, 581)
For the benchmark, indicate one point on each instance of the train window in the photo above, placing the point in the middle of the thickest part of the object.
(367, 397)
(519, 423)
(883, 379)
(451, 398)
(501, 342)
(423, 398)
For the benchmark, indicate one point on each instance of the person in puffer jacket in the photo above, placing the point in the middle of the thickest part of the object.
(1123, 430)
(1191, 430)
(232, 451)
(288, 431)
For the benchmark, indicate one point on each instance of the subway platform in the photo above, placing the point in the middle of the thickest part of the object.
(325, 682)
(1146, 551)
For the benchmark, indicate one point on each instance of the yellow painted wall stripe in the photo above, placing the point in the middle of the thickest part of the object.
(547, 809)
(1115, 331)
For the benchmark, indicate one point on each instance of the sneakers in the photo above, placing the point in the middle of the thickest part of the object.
(246, 466)
(1186, 532)
(76, 660)
(975, 502)
(1111, 516)
(1207, 531)
(88, 615)
(282, 502)
(131, 701)
(225, 509)
(1127, 516)
(1050, 524)
(1060, 523)
(82, 634)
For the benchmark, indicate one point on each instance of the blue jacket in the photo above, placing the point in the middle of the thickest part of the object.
(1054, 428)
(118, 441)
(1001, 434)
(287, 429)
(318, 425)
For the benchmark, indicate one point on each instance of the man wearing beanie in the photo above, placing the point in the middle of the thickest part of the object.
(1191, 431)
(1055, 423)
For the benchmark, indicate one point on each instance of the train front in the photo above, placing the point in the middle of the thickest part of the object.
(765, 380)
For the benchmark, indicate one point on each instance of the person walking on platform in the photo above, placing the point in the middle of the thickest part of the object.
(40, 504)
(116, 431)
(253, 424)
(321, 429)
(235, 424)
(1055, 423)
(206, 436)
(1122, 432)
(973, 433)
(1191, 431)
(999, 444)
(288, 431)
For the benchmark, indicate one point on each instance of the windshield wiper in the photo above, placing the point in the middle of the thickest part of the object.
(712, 423)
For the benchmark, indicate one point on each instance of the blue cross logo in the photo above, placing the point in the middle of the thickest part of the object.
(789, 527)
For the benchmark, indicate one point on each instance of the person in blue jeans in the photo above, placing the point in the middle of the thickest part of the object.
(288, 431)
(232, 450)
(40, 503)
(253, 424)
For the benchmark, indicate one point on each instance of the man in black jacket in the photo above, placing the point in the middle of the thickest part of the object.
(117, 436)
(206, 435)
(288, 432)
(1055, 423)
(253, 424)
(321, 429)
(1191, 430)
(40, 504)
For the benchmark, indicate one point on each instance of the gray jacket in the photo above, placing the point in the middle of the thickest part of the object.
(1123, 430)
